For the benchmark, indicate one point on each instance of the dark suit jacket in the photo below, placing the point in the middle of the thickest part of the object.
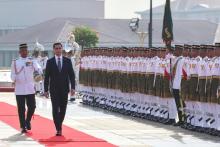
(59, 81)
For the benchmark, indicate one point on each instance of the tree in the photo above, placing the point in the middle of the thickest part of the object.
(85, 37)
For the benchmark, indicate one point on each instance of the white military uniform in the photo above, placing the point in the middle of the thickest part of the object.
(216, 72)
(172, 110)
(22, 70)
(43, 63)
(76, 70)
(155, 69)
(38, 85)
(189, 105)
(164, 65)
(178, 77)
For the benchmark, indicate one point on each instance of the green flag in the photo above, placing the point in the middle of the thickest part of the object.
(167, 33)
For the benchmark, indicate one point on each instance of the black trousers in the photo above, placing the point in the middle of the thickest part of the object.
(59, 104)
(31, 105)
(176, 94)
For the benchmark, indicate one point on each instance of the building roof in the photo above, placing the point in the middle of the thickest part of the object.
(113, 32)
(187, 5)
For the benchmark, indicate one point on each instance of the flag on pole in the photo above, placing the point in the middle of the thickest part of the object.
(167, 32)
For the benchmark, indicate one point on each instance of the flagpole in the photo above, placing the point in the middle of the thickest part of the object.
(150, 26)
(167, 34)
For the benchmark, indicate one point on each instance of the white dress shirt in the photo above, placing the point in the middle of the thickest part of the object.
(61, 60)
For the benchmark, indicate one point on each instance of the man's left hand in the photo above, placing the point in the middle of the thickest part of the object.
(13, 84)
(72, 92)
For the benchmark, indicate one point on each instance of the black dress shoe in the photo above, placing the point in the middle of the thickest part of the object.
(72, 99)
(59, 133)
(198, 129)
(184, 125)
(28, 125)
(166, 121)
(214, 132)
(169, 122)
(178, 124)
(23, 130)
(191, 127)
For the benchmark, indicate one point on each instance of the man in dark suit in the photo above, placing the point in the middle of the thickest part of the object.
(59, 75)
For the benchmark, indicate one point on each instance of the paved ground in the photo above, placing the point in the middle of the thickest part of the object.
(116, 129)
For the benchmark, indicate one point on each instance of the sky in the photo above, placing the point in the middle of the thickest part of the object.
(125, 9)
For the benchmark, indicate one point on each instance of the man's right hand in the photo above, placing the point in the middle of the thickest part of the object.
(46, 94)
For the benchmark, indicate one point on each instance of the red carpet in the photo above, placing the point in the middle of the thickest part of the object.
(6, 89)
(43, 131)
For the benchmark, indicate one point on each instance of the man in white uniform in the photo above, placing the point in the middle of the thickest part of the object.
(177, 77)
(22, 71)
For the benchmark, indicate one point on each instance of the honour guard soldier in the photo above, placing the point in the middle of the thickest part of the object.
(210, 121)
(68, 52)
(185, 73)
(177, 77)
(37, 57)
(157, 83)
(203, 71)
(193, 82)
(215, 87)
(43, 62)
(167, 89)
(185, 84)
(22, 71)
(162, 101)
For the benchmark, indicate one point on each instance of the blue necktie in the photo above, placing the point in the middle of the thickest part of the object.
(59, 65)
